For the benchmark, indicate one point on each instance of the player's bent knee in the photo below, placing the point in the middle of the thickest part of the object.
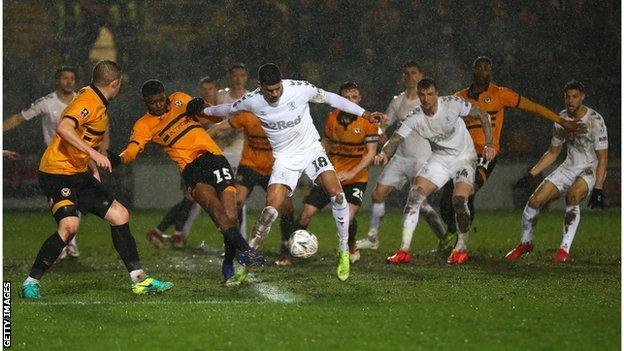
(574, 198)
(117, 214)
(535, 202)
(339, 199)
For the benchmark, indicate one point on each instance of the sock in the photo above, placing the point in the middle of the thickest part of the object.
(137, 276)
(462, 218)
(302, 226)
(570, 224)
(234, 239)
(124, 243)
(529, 220)
(262, 227)
(433, 219)
(30, 279)
(352, 232)
(471, 207)
(446, 207)
(287, 225)
(193, 213)
(462, 241)
(377, 213)
(410, 216)
(340, 211)
(169, 218)
(242, 217)
(182, 214)
(73, 241)
(48, 253)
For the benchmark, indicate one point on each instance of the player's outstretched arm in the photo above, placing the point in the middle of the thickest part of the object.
(221, 110)
(389, 149)
(486, 125)
(544, 112)
(12, 122)
(339, 102)
(67, 131)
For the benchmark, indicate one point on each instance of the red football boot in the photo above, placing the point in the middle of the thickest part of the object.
(518, 251)
(399, 257)
(156, 239)
(178, 241)
(457, 257)
(561, 256)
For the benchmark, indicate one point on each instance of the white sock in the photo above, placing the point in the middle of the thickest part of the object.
(30, 279)
(73, 241)
(377, 214)
(243, 222)
(262, 227)
(410, 220)
(570, 224)
(340, 211)
(434, 221)
(137, 275)
(462, 241)
(158, 231)
(529, 219)
(193, 213)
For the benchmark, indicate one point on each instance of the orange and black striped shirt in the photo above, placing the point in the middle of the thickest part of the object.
(257, 152)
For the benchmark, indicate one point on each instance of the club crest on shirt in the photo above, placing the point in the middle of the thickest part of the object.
(178, 103)
(84, 112)
(291, 105)
(357, 130)
(65, 192)
(487, 100)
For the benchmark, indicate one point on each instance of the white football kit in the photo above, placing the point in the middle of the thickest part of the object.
(289, 127)
(411, 154)
(234, 149)
(453, 155)
(49, 108)
(581, 160)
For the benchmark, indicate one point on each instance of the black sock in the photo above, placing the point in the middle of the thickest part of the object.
(184, 209)
(48, 253)
(352, 232)
(233, 237)
(287, 225)
(230, 253)
(447, 211)
(302, 226)
(124, 243)
(169, 218)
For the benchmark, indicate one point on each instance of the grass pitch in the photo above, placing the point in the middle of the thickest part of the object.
(488, 304)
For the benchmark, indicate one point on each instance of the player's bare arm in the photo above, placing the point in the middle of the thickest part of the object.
(12, 122)
(601, 169)
(486, 125)
(105, 144)
(544, 112)
(220, 129)
(546, 160)
(389, 149)
(67, 131)
(371, 149)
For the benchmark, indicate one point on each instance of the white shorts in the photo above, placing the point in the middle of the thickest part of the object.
(287, 170)
(564, 176)
(398, 171)
(439, 170)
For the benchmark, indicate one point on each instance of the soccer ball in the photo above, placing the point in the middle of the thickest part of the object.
(303, 244)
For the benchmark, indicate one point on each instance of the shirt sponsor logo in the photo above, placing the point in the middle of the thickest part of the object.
(281, 124)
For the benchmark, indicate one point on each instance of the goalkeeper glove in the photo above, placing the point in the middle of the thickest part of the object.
(596, 200)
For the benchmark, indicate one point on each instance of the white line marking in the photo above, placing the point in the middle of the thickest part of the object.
(150, 302)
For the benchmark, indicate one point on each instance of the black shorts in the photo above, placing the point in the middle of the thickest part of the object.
(76, 192)
(210, 169)
(319, 199)
(484, 169)
(249, 178)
